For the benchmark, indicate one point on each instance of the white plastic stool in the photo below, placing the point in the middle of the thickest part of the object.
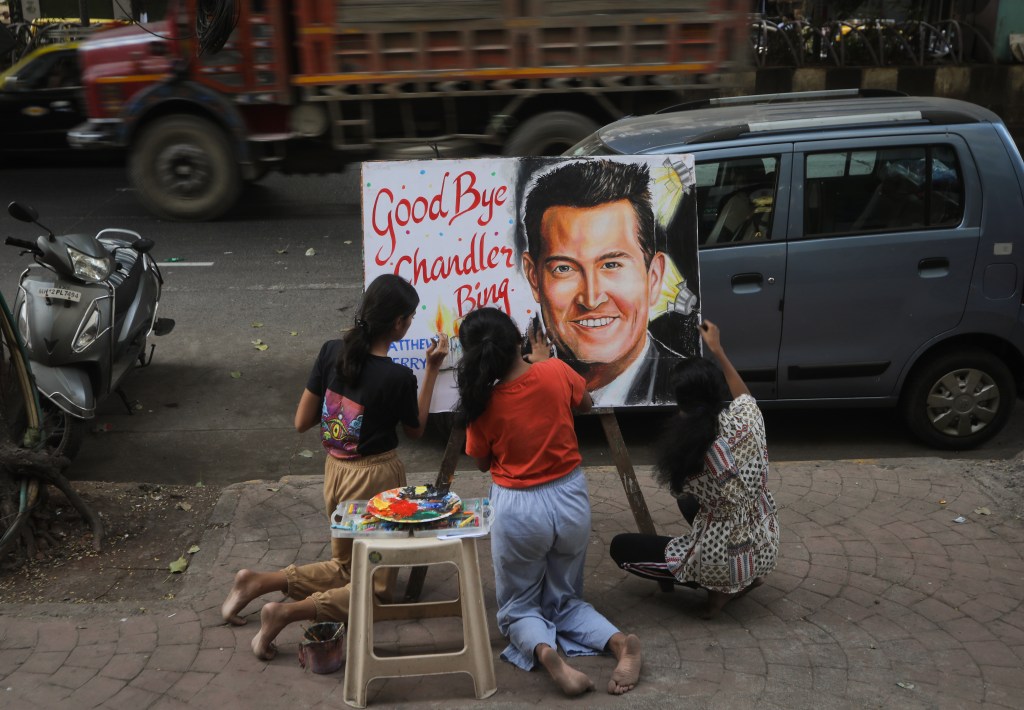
(362, 665)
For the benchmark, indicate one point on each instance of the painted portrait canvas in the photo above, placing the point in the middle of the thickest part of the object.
(599, 252)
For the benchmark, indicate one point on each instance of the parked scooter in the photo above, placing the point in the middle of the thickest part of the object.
(85, 318)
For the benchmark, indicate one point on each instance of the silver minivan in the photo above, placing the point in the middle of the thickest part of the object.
(857, 248)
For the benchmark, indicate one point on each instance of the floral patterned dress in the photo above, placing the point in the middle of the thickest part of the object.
(735, 535)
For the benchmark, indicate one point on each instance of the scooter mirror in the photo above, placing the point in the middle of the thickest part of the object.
(143, 245)
(23, 213)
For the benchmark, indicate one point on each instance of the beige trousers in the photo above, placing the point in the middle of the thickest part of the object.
(328, 583)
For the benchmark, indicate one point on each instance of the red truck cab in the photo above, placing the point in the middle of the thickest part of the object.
(313, 85)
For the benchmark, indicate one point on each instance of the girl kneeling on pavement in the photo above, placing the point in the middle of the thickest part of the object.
(520, 428)
(359, 396)
(714, 460)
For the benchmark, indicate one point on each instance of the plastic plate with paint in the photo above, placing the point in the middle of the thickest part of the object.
(413, 504)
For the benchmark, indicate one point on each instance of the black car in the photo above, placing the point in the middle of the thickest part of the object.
(41, 99)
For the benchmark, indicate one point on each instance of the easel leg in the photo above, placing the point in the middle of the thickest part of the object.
(452, 451)
(620, 455)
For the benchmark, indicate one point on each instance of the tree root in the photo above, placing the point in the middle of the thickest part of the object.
(19, 463)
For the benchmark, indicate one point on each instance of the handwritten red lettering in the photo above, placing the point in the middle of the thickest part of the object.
(468, 297)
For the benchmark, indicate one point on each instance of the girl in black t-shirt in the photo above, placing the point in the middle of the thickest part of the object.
(359, 396)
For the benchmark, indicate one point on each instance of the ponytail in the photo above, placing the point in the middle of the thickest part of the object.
(387, 298)
(490, 342)
(700, 395)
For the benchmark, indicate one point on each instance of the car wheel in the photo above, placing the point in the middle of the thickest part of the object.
(959, 399)
(550, 133)
(184, 169)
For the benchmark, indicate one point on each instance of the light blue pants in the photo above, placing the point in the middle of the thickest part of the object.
(538, 546)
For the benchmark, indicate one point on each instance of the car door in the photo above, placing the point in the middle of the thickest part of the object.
(42, 104)
(883, 237)
(743, 204)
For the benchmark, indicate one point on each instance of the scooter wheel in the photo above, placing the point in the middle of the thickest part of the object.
(62, 433)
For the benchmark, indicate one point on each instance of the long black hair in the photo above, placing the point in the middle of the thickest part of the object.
(701, 394)
(387, 298)
(490, 343)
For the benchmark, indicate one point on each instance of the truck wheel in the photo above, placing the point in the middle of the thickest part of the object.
(549, 133)
(184, 169)
(959, 399)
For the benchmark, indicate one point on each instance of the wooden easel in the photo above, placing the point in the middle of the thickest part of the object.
(620, 455)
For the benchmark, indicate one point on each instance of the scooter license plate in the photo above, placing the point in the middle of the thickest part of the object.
(64, 294)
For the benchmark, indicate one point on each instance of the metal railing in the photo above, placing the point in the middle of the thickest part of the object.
(870, 42)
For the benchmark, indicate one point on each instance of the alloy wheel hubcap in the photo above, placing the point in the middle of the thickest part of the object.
(962, 402)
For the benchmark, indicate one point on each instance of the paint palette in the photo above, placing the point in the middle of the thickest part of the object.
(413, 504)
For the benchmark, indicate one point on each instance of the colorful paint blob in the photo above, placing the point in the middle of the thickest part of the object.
(413, 504)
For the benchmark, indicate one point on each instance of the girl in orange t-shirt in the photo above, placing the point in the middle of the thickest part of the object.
(520, 428)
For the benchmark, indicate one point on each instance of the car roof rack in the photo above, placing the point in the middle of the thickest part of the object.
(788, 96)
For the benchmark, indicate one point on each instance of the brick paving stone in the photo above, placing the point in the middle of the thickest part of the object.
(966, 629)
(93, 656)
(42, 695)
(137, 643)
(189, 685)
(15, 633)
(955, 688)
(98, 690)
(12, 659)
(59, 636)
(136, 626)
(45, 661)
(211, 660)
(131, 698)
(183, 632)
(172, 658)
(72, 677)
(980, 611)
(125, 666)
(97, 634)
(829, 680)
(217, 637)
(156, 681)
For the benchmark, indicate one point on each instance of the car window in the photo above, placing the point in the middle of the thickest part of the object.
(54, 70)
(888, 189)
(736, 199)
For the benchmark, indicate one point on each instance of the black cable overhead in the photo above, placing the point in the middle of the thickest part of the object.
(215, 20)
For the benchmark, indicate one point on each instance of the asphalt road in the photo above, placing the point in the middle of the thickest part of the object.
(248, 277)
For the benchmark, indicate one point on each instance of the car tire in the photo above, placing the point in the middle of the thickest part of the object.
(184, 169)
(550, 133)
(959, 399)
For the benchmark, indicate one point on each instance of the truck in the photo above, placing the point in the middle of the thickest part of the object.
(311, 86)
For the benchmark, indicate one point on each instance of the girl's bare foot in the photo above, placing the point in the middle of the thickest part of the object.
(238, 597)
(718, 600)
(627, 672)
(273, 618)
(571, 681)
(262, 649)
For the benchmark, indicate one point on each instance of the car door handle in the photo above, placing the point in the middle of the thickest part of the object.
(747, 283)
(60, 105)
(933, 268)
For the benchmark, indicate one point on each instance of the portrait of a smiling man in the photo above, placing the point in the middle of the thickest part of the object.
(592, 262)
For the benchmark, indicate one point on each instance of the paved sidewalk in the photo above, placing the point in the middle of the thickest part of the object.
(880, 600)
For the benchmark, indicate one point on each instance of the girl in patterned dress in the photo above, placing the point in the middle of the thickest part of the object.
(714, 460)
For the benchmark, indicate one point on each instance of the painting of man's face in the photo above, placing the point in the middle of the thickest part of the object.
(593, 287)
